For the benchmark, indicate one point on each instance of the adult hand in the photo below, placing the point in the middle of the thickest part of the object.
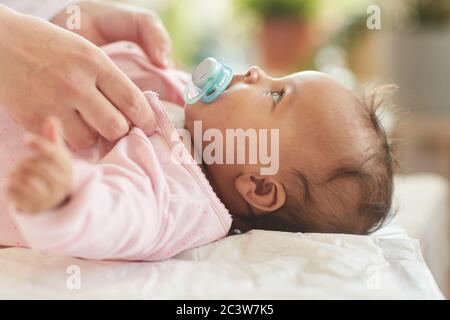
(103, 22)
(46, 70)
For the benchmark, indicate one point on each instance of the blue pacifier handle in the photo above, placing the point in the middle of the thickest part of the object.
(209, 81)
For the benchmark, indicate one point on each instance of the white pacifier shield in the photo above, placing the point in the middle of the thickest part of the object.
(205, 70)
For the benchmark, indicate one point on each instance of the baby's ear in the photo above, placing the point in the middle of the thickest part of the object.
(264, 194)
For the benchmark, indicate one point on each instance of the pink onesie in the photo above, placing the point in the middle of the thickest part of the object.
(135, 200)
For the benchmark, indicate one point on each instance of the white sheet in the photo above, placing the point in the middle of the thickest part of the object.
(259, 264)
(424, 213)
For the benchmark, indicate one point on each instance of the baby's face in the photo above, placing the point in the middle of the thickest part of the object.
(314, 115)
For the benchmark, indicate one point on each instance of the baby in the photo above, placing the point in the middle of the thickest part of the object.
(136, 200)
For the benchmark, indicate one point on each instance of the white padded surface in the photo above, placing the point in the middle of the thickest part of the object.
(258, 264)
(423, 211)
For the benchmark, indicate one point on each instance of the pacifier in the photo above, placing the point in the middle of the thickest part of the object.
(209, 81)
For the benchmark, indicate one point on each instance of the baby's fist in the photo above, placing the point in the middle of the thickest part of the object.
(42, 181)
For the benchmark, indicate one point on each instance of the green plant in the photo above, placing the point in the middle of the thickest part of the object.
(268, 9)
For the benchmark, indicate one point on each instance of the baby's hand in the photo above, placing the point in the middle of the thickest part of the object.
(42, 181)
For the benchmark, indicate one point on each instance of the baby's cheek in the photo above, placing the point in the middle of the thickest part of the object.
(223, 113)
(218, 112)
(193, 112)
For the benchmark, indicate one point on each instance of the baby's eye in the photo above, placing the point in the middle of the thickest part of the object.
(277, 95)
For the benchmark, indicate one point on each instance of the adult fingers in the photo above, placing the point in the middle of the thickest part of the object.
(153, 37)
(126, 97)
(103, 116)
(77, 132)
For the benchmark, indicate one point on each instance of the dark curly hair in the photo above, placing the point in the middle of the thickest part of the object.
(371, 179)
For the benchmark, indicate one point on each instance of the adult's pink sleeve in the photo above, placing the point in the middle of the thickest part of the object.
(45, 9)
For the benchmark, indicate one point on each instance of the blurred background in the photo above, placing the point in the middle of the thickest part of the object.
(411, 50)
(409, 45)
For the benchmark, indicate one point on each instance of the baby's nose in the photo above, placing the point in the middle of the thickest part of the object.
(236, 78)
(253, 75)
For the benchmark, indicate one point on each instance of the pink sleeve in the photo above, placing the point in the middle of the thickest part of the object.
(116, 210)
(131, 59)
(45, 9)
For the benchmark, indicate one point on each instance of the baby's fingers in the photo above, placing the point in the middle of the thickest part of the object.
(26, 191)
(52, 130)
(16, 195)
(48, 171)
(43, 146)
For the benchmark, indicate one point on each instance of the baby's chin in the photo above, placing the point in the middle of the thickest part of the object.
(192, 112)
(196, 111)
